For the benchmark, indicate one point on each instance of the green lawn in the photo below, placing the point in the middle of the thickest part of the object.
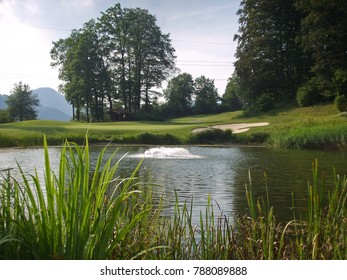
(292, 128)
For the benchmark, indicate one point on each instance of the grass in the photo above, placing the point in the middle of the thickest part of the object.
(318, 127)
(81, 211)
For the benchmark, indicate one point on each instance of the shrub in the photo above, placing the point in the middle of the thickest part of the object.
(211, 136)
(4, 116)
(341, 103)
(266, 101)
(307, 94)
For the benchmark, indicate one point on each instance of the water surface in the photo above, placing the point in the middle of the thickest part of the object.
(221, 172)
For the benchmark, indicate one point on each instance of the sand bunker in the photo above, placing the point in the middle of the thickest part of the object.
(235, 128)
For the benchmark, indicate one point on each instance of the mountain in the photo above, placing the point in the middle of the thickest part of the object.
(53, 105)
(3, 98)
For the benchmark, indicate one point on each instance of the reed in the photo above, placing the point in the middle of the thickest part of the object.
(79, 212)
(320, 232)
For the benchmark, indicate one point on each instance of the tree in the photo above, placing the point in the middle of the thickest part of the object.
(206, 96)
(179, 95)
(323, 36)
(121, 56)
(140, 56)
(65, 58)
(270, 64)
(22, 103)
(4, 116)
(231, 100)
(82, 70)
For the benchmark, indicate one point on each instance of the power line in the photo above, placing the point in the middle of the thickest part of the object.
(207, 61)
(202, 42)
(206, 65)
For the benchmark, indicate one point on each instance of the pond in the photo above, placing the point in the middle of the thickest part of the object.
(195, 172)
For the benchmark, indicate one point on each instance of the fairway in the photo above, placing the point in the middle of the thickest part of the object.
(28, 133)
(317, 127)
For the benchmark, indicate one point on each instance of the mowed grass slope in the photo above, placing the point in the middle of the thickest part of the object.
(313, 127)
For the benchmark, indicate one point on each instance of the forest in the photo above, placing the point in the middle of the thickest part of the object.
(291, 51)
(288, 52)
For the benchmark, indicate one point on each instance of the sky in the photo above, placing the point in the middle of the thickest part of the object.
(202, 34)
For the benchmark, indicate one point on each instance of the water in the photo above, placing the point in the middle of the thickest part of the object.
(221, 172)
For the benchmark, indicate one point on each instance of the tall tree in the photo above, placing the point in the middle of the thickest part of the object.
(269, 61)
(179, 95)
(231, 100)
(22, 103)
(140, 54)
(64, 56)
(121, 56)
(324, 36)
(206, 96)
(82, 70)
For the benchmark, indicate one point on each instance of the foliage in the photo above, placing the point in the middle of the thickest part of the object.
(22, 103)
(340, 82)
(270, 64)
(179, 95)
(186, 96)
(4, 116)
(122, 56)
(211, 136)
(206, 96)
(323, 29)
(310, 93)
(80, 212)
(285, 47)
(231, 99)
(341, 103)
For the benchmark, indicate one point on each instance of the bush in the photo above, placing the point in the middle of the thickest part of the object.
(211, 136)
(266, 101)
(341, 103)
(154, 139)
(315, 91)
(307, 94)
(4, 116)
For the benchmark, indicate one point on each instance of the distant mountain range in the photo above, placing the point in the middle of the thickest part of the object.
(53, 105)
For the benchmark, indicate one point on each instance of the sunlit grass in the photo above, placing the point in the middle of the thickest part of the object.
(319, 127)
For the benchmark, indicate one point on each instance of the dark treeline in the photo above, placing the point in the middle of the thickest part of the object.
(117, 60)
(290, 50)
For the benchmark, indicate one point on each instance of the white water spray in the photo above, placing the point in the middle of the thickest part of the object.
(167, 153)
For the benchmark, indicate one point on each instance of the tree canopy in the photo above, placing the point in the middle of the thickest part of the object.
(179, 95)
(291, 50)
(186, 96)
(122, 56)
(22, 103)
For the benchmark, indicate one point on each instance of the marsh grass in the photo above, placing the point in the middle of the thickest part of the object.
(82, 211)
(320, 232)
(79, 212)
